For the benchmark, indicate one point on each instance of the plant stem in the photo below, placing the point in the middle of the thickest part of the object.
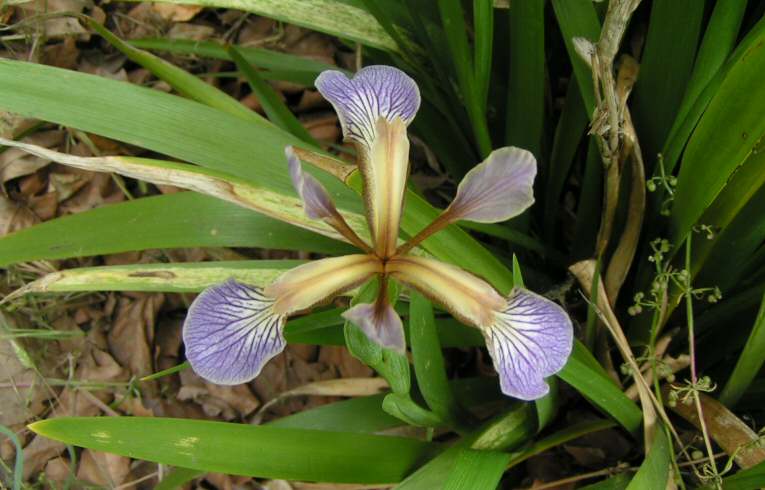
(692, 354)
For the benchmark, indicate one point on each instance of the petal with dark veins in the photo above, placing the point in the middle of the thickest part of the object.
(374, 92)
(497, 189)
(531, 339)
(230, 332)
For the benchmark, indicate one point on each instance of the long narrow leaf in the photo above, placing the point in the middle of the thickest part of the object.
(276, 110)
(214, 183)
(181, 80)
(427, 358)
(185, 219)
(240, 449)
(654, 472)
(726, 135)
(526, 84)
(665, 69)
(453, 21)
(345, 19)
(749, 362)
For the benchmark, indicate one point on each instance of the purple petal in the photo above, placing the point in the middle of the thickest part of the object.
(230, 332)
(530, 340)
(497, 189)
(373, 92)
(380, 323)
(316, 200)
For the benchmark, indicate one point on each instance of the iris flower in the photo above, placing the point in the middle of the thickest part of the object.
(233, 329)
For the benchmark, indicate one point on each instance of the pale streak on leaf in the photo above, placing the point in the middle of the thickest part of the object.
(205, 181)
(153, 277)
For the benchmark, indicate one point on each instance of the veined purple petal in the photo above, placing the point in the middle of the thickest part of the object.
(530, 340)
(373, 92)
(230, 332)
(380, 323)
(497, 189)
(316, 200)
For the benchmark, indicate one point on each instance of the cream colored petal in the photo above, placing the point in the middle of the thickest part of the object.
(385, 169)
(467, 297)
(314, 282)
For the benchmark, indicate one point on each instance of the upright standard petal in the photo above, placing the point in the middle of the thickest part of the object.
(385, 170)
(374, 92)
(466, 296)
(314, 282)
(380, 322)
(374, 108)
(531, 339)
(497, 189)
(317, 202)
(230, 332)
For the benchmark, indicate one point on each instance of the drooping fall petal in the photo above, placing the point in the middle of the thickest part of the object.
(231, 331)
(499, 188)
(375, 107)
(530, 340)
(528, 336)
(314, 282)
(374, 92)
(380, 322)
(317, 202)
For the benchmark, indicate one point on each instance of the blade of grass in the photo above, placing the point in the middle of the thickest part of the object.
(241, 449)
(654, 472)
(428, 360)
(184, 219)
(181, 80)
(477, 470)
(684, 125)
(277, 112)
(735, 216)
(18, 467)
(526, 82)
(344, 18)
(483, 29)
(590, 198)
(296, 69)
(749, 479)
(188, 277)
(718, 42)
(749, 362)
(585, 374)
(725, 137)
(665, 69)
(214, 183)
(453, 22)
(568, 136)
